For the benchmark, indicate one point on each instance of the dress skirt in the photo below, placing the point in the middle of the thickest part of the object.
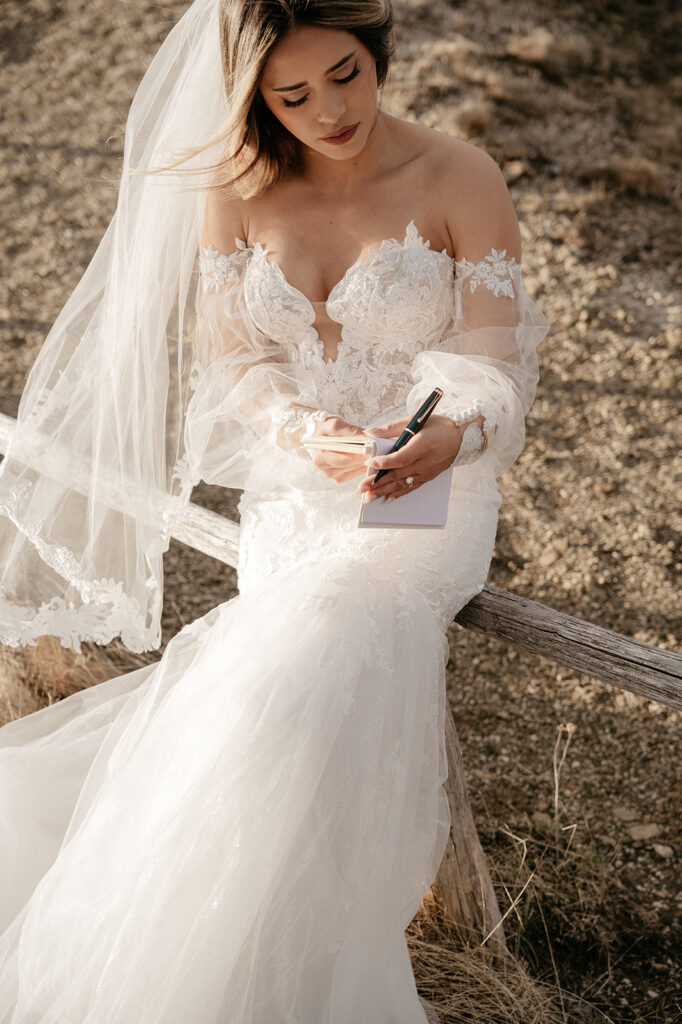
(241, 832)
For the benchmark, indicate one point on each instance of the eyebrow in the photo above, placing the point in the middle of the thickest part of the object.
(335, 67)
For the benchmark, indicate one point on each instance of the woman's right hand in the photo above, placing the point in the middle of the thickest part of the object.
(338, 465)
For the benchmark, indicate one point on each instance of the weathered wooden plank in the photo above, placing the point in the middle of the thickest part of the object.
(580, 645)
(576, 643)
(209, 532)
(463, 881)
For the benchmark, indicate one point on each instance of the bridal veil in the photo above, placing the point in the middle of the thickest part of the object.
(88, 489)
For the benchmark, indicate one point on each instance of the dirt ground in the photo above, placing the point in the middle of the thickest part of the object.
(580, 105)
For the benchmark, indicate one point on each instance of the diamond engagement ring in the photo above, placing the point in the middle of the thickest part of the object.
(409, 480)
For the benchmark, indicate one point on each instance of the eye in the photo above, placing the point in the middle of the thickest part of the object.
(340, 81)
(294, 103)
(350, 77)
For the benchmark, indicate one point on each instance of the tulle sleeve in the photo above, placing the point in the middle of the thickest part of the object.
(487, 357)
(250, 401)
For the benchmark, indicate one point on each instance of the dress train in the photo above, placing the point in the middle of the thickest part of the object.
(240, 832)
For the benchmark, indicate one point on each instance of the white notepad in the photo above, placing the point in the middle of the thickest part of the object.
(425, 508)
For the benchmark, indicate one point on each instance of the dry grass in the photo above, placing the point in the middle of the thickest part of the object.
(34, 677)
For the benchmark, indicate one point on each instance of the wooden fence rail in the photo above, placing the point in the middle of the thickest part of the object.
(463, 880)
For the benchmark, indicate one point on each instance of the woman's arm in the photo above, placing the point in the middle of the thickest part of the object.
(486, 360)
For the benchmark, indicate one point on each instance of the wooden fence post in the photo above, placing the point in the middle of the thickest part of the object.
(463, 881)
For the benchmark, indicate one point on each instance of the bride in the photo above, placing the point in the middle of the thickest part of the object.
(242, 831)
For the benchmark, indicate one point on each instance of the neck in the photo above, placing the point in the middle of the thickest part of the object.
(345, 176)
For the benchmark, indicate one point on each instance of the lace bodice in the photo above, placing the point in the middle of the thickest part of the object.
(411, 318)
(394, 303)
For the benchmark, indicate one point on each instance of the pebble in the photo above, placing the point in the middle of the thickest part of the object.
(646, 831)
(625, 813)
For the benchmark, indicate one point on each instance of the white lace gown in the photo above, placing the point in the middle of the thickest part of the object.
(240, 833)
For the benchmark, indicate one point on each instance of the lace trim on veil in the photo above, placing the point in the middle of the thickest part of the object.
(106, 611)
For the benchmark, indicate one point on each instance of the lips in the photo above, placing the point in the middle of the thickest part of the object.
(340, 131)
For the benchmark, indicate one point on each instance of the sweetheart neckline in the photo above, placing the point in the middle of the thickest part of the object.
(412, 237)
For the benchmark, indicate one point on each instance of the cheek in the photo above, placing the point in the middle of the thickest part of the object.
(368, 86)
(287, 116)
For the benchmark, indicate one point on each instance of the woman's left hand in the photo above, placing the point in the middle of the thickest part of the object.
(424, 456)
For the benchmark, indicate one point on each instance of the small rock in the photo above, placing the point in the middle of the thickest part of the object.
(474, 118)
(637, 174)
(558, 56)
(625, 813)
(663, 851)
(548, 557)
(633, 173)
(646, 831)
(533, 48)
(514, 170)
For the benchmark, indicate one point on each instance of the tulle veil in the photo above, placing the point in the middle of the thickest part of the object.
(89, 488)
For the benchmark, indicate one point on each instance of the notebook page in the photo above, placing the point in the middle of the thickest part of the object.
(425, 508)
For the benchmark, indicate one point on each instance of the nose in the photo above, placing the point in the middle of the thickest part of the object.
(330, 107)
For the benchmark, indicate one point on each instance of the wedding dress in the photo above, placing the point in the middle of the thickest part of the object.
(241, 832)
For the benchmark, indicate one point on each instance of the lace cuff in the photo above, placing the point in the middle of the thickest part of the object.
(294, 418)
(475, 437)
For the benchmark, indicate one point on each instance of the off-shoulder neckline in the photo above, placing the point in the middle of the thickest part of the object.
(411, 240)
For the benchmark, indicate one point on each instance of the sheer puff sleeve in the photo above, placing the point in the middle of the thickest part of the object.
(486, 361)
(250, 403)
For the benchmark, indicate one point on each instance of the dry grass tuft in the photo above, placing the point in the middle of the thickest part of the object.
(549, 886)
(33, 677)
(473, 985)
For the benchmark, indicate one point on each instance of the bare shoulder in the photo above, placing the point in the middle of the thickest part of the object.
(472, 196)
(225, 220)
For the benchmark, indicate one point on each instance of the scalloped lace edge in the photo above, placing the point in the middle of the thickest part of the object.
(106, 611)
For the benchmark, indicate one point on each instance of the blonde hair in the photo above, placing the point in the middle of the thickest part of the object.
(257, 150)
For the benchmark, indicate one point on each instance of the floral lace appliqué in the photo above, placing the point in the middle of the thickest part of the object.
(494, 272)
(218, 268)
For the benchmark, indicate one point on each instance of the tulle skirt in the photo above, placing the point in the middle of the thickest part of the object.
(241, 832)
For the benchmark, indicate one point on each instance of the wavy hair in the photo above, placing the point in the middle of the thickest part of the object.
(258, 150)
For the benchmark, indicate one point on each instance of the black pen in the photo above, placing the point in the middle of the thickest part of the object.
(414, 426)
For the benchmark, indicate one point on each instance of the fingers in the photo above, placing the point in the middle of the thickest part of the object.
(336, 427)
(340, 466)
(402, 488)
(339, 460)
(418, 448)
(393, 484)
(394, 429)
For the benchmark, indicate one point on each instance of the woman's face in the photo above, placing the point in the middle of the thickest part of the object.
(318, 81)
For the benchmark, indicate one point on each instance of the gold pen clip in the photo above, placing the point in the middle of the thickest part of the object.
(427, 411)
